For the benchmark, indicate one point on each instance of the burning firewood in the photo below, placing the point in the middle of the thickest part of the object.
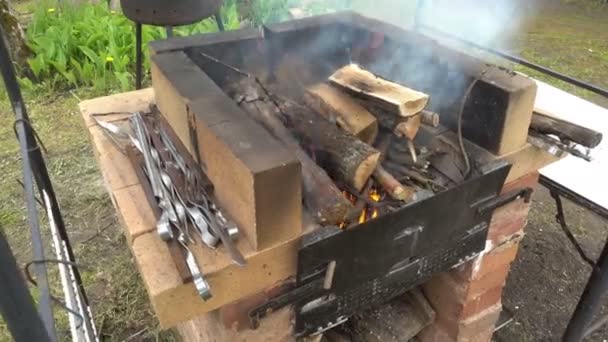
(346, 158)
(395, 189)
(390, 96)
(321, 196)
(348, 114)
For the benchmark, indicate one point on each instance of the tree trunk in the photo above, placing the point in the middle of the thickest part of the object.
(13, 34)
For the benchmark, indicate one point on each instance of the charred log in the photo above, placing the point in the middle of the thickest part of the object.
(321, 196)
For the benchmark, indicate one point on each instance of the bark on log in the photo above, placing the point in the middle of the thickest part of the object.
(346, 158)
(391, 96)
(14, 34)
(321, 196)
(336, 106)
(546, 124)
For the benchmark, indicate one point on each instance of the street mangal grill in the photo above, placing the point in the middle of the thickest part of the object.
(343, 269)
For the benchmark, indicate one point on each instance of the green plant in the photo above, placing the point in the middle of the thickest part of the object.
(76, 45)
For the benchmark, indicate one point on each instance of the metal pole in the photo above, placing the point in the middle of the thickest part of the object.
(218, 20)
(16, 304)
(30, 156)
(138, 57)
(590, 302)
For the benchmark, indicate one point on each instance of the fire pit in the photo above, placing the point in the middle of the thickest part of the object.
(296, 123)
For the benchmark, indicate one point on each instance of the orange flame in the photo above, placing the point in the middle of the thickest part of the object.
(368, 212)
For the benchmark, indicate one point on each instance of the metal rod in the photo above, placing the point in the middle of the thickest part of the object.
(169, 30)
(596, 325)
(573, 196)
(138, 56)
(28, 149)
(218, 20)
(16, 303)
(418, 25)
(521, 61)
(590, 301)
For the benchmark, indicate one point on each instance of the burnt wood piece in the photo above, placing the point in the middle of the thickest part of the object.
(546, 124)
(346, 158)
(402, 127)
(321, 196)
(393, 97)
(336, 106)
(395, 189)
(429, 118)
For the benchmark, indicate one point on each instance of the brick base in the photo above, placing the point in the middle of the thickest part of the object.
(467, 300)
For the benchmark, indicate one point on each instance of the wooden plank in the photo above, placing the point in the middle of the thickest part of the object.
(257, 180)
(121, 174)
(176, 82)
(527, 159)
(121, 104)
(173, 297)
(175, 301)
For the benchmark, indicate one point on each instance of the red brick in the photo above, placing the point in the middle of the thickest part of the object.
(527, 181)
(508, 220)
(434, 333)
(458, 300)
(483, 301)
(479, 323)
(495, 261)
(465, 330)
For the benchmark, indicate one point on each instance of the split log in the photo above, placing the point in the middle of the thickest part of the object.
(430, 118)
(321, 196)
(336, 106)
(395, 189)
(346, 158)
(393, 97)
(547, 124)
(402, 127)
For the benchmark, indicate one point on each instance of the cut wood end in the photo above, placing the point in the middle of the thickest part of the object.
(365, 170)
(430, 118)
(403, 193)
(413, 107)
(409, 128)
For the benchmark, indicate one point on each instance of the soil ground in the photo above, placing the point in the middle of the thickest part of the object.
(545, 281)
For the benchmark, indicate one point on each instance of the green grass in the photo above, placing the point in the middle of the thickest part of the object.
(118, 298)
(571, 39)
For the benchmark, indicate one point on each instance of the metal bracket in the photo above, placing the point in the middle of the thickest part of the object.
(502, 200)
(297, 294)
